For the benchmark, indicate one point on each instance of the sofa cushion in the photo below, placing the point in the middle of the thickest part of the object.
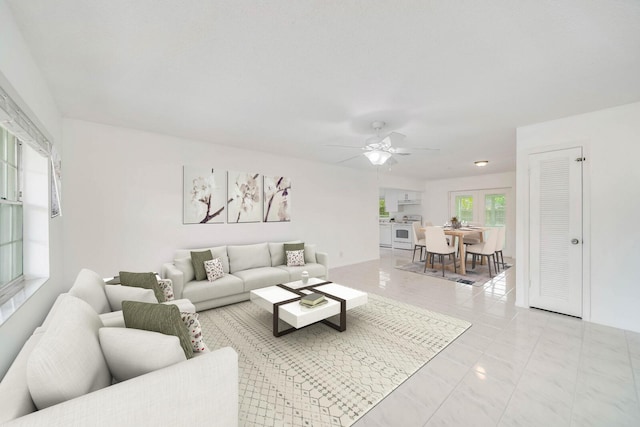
(276, 250)
(186, 266)
(310, 253)
(198, 259)
(133, 352)
(195, 331)
(216, 251)
(295, 258)
(89, 287)
(166, 286)
(118, 293)
(244, 257)
(214, 269)
(204, 290)
(15, 400)
(142, 280)
(295, 273)
(116, 319)
(68, 360)
(255, 278)
(163, 318)
(293, 247)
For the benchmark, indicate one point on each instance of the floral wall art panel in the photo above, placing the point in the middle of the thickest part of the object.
(277, 199)
(205, 191)
(244, 197)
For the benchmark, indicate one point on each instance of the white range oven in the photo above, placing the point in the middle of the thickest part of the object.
(403, 233)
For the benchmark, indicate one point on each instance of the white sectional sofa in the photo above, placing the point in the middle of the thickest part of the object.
(246, 267)
(64, 371)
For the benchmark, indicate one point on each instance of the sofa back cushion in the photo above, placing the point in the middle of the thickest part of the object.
(243, 257)
(89, 287)
(67, 362)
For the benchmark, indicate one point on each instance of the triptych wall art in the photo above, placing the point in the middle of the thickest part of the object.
(211, 195)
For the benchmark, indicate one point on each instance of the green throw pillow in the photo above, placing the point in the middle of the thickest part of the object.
(292, 247)
(198, 259)
(142, 280)
(163, 318)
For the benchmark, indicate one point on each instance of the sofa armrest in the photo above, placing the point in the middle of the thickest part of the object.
(200, 390)
(170, 271)
(323, 258)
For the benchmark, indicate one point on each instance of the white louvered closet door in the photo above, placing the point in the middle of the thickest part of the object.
(555, 253)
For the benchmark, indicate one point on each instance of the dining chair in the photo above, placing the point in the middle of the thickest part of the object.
(474, 238)
(486, 248)
(500, 246)
(436, 244)
(418, 240)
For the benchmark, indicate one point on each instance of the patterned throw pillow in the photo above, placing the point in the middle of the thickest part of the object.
(166, 285)
(214, 269)
(195, 330)
(295, 258)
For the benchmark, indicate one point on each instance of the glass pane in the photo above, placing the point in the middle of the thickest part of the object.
(12, 183)
(5, 264)
(16, 268)
(5, 223)
(464, 208)
(495, 210)
(3, 144)
(17, 222)
(3, 180)
(12, 157)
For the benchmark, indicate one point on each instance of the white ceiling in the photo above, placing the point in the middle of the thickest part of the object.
(294, 76)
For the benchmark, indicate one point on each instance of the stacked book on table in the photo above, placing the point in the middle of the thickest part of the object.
(313, 300)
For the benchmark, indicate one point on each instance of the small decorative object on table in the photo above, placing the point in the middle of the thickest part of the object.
(305, 277)
(455, 223)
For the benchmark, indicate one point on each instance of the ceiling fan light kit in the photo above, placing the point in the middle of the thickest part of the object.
(377, 157)
(481, 163)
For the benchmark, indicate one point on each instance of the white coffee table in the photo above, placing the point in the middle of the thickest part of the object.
(283, 301)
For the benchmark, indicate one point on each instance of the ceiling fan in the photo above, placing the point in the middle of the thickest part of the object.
(380, 149)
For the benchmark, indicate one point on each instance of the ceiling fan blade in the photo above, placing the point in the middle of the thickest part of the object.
(344, 146)
(349, 158)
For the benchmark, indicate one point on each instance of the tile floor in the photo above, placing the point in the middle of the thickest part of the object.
(513, 367)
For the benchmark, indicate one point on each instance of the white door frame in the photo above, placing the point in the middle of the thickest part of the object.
(524, 220)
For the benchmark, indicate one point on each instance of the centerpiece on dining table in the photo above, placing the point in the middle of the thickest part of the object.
(455, 223)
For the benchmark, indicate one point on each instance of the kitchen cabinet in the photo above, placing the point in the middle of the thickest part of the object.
(391, 200)
(385, 235)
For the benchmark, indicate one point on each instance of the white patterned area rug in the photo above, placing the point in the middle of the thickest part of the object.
(475, 276)
(317, 376)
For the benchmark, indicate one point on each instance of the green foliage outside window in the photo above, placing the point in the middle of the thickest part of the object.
(383, 210)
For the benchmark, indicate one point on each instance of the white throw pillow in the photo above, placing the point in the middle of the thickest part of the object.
(134, 352)
(118, 293)
(214, 269)
(295, 258)
(166, 285)
(195, 331)
(68, 360)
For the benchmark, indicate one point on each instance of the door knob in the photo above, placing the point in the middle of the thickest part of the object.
(575, 241)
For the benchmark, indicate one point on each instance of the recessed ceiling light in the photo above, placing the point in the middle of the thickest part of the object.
(481, 163)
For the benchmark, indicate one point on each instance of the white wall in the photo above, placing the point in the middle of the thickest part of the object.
(123, 201)
(22, 79)
(612, 177)
(436, 205)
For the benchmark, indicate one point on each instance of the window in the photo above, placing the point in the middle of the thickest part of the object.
(464, 208)
(383, 209)
(11, 237)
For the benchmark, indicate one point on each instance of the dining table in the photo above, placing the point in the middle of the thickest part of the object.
(460, 233)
